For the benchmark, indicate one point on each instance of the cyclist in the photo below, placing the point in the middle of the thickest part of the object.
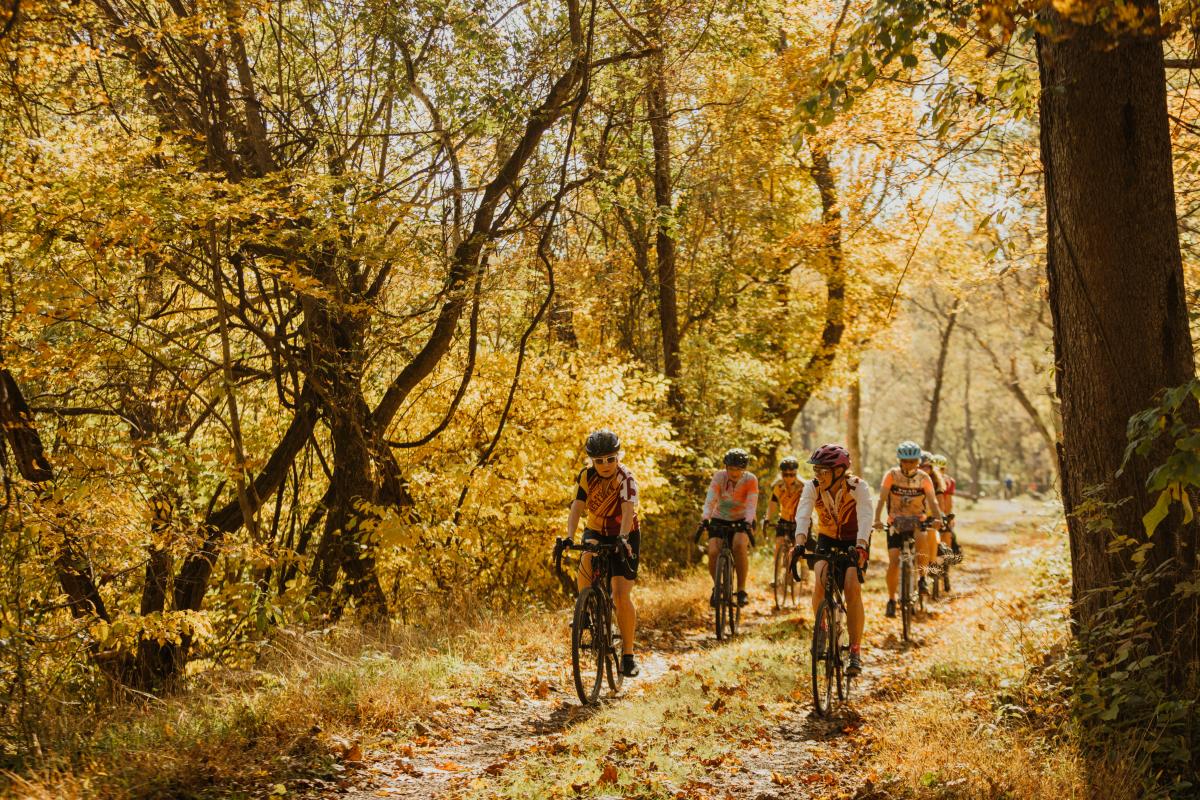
(949, 536)
(842, 502)
(911, 499)
(933, 543)
(608, 494)
(785, 497)
(731, 504)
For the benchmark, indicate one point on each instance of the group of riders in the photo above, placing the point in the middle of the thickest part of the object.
(917, 494)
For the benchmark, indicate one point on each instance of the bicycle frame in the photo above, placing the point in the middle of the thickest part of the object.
(592, 627)
(727, 613)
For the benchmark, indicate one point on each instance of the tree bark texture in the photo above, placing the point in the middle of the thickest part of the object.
(1116, 293)
(659, 113)
(939, 379)
(814, 372)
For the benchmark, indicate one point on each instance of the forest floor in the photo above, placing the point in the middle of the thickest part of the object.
(946, 715)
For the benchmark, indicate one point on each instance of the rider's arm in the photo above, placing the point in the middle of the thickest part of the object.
(884, 489)
(714, 494)
(804, 512)
(772, 509)
(628, 514)
(751, 511)
(931, 503)
(862, 500)
(576, 512)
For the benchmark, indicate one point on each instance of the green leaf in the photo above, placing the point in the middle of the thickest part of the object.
(1156, 515)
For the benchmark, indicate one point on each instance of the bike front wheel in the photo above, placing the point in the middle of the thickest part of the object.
(588, 645)
(824, 659)
(612, 654)
(725, 605)
(783, 578)
(906, 609)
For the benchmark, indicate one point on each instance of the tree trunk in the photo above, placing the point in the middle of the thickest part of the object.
(1116, 292)
(939, 378)
(659, 112)
(819, 364)
(853, 417)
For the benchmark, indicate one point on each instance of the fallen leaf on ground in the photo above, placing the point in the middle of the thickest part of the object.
(450, 766)
(608, 775)
(353, 753)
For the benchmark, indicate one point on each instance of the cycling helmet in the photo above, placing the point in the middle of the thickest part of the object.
(939, 460)
(830, 455)
(926, 458)
(907, 450)
(737, 457)
(602, 442)
(789, 463)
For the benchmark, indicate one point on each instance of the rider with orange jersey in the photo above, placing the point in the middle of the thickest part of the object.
(911, 499)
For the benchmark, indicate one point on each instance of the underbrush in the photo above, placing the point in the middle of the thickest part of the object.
(312, 701)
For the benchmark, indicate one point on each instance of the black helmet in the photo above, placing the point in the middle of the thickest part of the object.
(789, 463)
(602, 442)
(737, 457)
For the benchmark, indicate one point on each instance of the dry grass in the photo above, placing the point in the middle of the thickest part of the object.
(311, 696)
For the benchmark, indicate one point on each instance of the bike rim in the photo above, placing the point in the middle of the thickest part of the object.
(612, 663)
(822, 664)
(587, 650)
(782, 573)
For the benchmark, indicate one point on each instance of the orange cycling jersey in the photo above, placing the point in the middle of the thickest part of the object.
(604, 497)
(905, 494)
(788, 497)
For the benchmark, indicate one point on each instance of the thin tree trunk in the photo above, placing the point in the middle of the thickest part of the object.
(1116, 292)
(939, 378)
(659, 112)
(853, 418)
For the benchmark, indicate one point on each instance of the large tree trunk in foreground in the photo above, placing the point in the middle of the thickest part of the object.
(1116, 293)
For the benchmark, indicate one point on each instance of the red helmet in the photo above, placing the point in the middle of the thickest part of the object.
(830, 455)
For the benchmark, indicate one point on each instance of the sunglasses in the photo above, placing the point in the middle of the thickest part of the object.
(822, 471)
(788, 472)
(605, 459)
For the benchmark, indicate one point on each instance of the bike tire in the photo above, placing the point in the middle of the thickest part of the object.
(725, 573)
(612, 653)
(841, 652)
(718, 588)
(587, 648)
(905, 600)
(937, 584)
(782, 578)
(946, 580)
(735, 611)
(822, 657)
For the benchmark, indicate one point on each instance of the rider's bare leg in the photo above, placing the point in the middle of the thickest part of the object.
(818, 585)
(893, 572)
(854, 607)
(622, 589)
(584, 576)
(714, 550)
(741, 558)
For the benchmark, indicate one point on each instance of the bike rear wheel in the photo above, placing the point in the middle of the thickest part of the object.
(906, 587)
(588, 645)
(824, 659)
(782, 584)
(936, 574)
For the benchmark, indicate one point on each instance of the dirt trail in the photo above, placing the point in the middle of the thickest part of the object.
(463, 747)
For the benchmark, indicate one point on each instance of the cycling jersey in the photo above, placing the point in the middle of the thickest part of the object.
(844, 514)
(788, 498)
(732, 500)
(604, 497)
(950, 484)
(905, 495)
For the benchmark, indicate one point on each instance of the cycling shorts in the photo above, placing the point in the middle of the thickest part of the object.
(717, 528)
(624, 566)
(899, 528)
(826, 546)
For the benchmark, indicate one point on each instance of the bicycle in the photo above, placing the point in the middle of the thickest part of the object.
(830, 652)
(595, 638)
(908, 579)
(783, 585)
(727, 612)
